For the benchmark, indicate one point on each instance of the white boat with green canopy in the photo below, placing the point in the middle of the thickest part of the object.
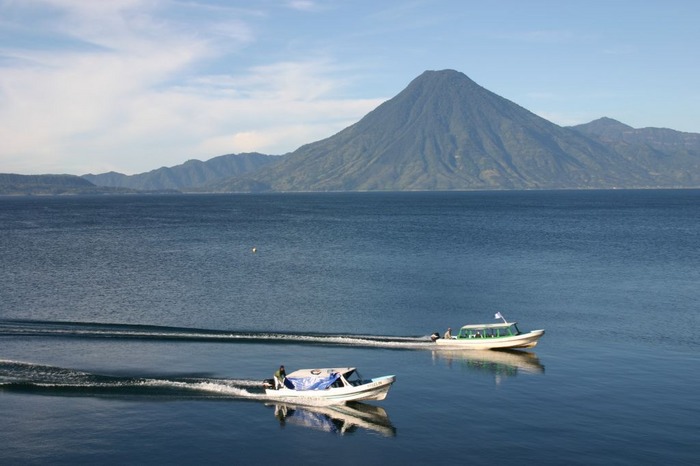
(490, 336)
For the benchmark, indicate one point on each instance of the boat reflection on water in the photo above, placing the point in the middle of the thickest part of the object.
(338, 419)
(501, 363)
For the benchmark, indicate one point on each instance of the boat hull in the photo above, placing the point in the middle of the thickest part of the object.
(375, 389)
(524, 340)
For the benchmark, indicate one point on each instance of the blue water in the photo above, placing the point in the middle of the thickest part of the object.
(137, 329)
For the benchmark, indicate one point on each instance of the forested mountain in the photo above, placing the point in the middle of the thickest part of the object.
(13, 184)
(445, 132)
(191, 174)
(671, 158)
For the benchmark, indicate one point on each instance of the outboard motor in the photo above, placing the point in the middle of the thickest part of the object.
(435, 336)
(268, 383)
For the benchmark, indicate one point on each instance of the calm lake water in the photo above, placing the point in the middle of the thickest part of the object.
(137, 329)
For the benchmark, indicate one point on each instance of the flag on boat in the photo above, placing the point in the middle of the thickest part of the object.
(498, 316)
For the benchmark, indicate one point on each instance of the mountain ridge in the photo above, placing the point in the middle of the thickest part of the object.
(12, 184)
(667, 155)
(191, 174)
(446, 132)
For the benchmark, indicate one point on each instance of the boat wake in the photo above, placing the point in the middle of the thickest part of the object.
(38, 379)
(34, 328)
(51, 380)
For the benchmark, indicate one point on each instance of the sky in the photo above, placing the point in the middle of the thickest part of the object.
(91, 86)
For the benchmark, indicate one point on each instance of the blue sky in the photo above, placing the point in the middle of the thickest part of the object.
(91, 86)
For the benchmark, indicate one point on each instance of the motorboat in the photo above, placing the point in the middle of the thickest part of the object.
(501, 335)
(329, 385)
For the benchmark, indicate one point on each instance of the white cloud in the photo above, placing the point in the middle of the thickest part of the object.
(126, 93)
(303, 5)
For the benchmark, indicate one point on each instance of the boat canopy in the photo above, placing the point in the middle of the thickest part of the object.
(480, 326)
(315, 379)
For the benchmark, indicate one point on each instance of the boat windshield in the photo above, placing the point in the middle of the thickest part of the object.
(489, 331)
(354, 378)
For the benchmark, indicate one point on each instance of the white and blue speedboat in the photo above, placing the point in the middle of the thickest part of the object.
(333, 384)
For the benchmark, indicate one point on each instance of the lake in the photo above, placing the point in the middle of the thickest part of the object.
(138, 328)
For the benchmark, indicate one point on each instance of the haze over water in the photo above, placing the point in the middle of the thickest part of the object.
(136, 329)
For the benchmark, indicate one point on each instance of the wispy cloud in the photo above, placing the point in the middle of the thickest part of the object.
(129, 85)
(133, 87)
(303, 5)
